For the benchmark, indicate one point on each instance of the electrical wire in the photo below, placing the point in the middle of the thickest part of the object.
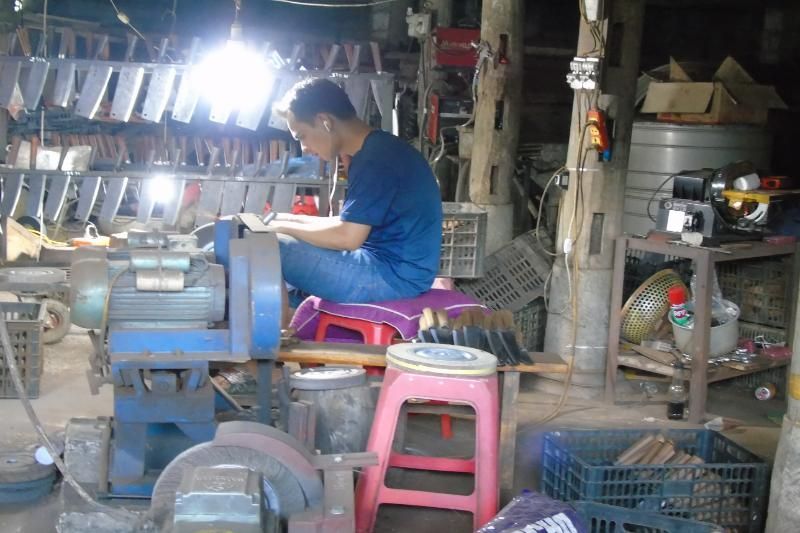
(653, 197)
(541, 206)
(45, 238)
(320, 4)
(11, 364)
(125, 19)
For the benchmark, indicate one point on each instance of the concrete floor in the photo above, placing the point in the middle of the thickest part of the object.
(65, 394)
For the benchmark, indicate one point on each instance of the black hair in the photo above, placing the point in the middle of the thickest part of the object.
(313, 96)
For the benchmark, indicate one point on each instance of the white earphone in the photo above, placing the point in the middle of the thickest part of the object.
(327, 126)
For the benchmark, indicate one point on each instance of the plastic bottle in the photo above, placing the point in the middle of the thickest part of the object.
(677, 300)
(676, 404)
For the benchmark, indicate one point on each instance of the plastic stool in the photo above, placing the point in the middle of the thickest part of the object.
(444, 373)
(372, 333)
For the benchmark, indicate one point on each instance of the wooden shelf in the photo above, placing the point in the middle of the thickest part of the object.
(632, 359)
(335, 353)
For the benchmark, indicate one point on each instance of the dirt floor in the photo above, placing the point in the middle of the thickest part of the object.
(65, 394)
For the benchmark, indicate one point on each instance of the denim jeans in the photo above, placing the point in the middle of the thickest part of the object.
(342, 277)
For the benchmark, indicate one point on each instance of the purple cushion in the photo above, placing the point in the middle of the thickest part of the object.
(402, 315)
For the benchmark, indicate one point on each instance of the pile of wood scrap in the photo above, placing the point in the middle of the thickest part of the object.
(708, 489)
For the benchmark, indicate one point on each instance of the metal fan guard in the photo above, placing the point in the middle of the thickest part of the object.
(648, 305)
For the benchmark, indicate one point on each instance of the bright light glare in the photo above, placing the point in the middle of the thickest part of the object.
(163, 187)
(233, 76)
(17, 6)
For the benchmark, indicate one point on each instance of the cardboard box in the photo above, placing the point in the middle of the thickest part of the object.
(730, 97)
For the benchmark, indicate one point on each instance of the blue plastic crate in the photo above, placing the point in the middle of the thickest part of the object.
(609, 519)
(729, 489)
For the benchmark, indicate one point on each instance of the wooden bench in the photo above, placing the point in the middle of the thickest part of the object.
(371, 355)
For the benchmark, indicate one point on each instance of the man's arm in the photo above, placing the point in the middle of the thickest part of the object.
(305, 219)
(325, 232)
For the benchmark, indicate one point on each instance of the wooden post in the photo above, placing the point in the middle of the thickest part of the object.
(497, 116)
(784, 498)
(594, 219)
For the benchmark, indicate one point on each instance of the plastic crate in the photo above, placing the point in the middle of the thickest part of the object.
(463, 240)
(24, 322)
(609, 519)
(759, 287)
(729, 489)
(514, 276)
(531, 322)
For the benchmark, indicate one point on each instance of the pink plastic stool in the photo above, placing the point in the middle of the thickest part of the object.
(372, 332)
(444, 373)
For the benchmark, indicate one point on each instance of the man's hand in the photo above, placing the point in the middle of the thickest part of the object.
(325, 232)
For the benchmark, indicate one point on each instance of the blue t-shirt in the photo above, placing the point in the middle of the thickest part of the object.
(391, 188)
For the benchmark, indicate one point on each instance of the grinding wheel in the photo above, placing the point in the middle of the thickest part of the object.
(441, 359)
(291, 483)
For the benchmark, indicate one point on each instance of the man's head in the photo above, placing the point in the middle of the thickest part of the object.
(313, 109)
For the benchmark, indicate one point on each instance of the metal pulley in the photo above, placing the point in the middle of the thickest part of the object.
(291, 482)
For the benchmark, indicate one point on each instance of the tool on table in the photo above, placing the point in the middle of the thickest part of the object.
(721, 204)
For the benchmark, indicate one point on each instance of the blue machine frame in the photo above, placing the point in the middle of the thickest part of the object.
(164, 401)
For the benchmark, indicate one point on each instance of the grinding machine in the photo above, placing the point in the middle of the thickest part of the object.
(159, 312)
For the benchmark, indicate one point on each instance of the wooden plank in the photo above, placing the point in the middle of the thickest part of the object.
(633, 360)
(508, 435)
(665, 358)
(334, 353)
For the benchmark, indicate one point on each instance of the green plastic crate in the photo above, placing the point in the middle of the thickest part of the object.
(24, 322)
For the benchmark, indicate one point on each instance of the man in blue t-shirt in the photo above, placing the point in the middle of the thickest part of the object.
(385, 243)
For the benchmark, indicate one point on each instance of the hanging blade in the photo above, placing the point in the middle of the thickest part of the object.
(64, 85)
(210, 196)
(188, 89)
(158, 92)
(12, 190)
(87, 196)
(234, 189)
(48, 158)
(333, 54)
(149, 191)
(357, 89)
(9, 77)
(128, 85)
(250, 116)
(284, 193)
(33, 206)
(383, 92)
(56, 195)
(34, 83)
(93, 90)
(114, 194)
(22, 158)
(258, 189)
(172, 208)
(280, 86)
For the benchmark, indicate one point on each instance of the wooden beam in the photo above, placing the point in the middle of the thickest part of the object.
(497, 116)
(508, 435)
